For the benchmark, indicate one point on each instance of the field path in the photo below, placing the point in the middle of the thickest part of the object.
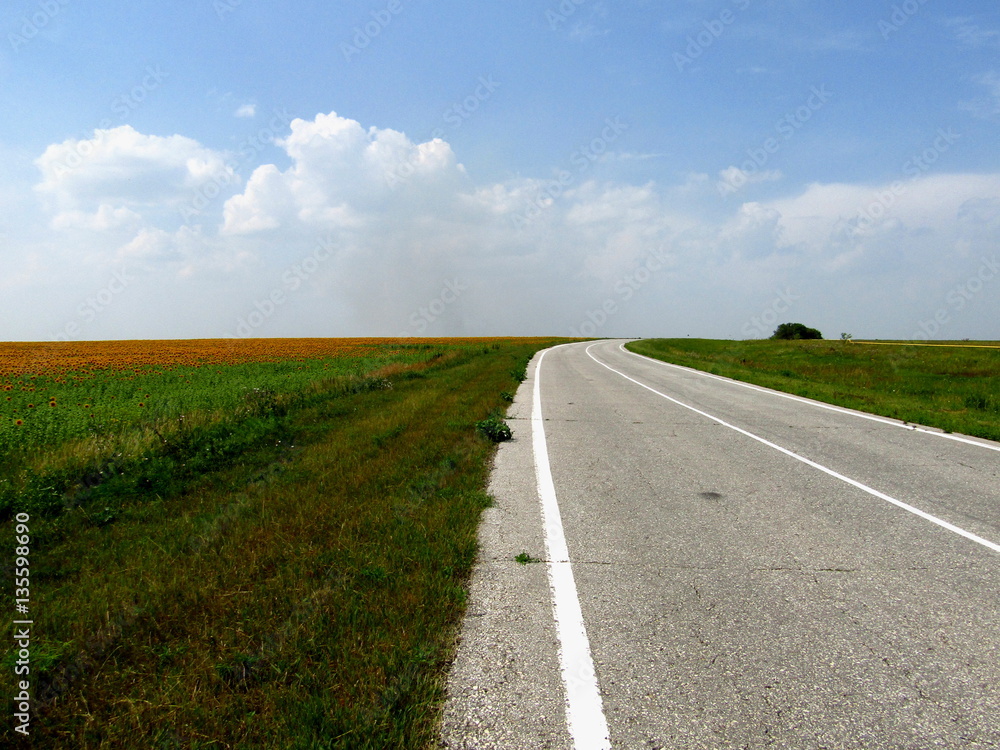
(726, 567)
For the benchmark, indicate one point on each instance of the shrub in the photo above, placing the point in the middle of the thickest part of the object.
(795, 332)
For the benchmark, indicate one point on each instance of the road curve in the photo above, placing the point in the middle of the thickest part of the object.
(750, 570)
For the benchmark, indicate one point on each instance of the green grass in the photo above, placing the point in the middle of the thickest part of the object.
(953, 388)
(65, 439)
(288, 573)
(105, 402)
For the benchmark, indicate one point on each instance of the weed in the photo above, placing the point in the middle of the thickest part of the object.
(103, 518)
(520, 371)
(983, 402)
(495, 429)
(374, 575)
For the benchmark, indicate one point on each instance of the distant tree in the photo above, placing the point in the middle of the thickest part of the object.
(846, 336)
(794, 332)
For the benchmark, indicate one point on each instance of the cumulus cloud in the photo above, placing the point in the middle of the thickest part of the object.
(932, 203)
(924, 230)
(366, 231)
(340, 173)
(405, 216)
(148, 244)
(105, 218)
(122, 168)
(755, 231)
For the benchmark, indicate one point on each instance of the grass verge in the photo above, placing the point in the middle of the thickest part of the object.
(956, 389)
(299, 587)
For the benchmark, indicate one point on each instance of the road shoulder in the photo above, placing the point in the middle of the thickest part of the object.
(504, 688)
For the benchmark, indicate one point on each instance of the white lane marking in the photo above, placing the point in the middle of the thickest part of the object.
(853, 482)
(584, 707)
(816, 404)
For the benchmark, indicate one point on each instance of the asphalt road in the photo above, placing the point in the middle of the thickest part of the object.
(752, 571)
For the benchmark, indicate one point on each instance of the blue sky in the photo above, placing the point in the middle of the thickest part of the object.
(408, 167)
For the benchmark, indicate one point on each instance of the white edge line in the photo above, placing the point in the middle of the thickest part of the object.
(585, 718)
(817, 404)
(881, 495)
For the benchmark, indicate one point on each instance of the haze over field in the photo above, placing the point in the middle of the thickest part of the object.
(388, 167)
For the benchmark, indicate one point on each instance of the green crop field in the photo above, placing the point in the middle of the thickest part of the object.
(236, 546)
(955, 388)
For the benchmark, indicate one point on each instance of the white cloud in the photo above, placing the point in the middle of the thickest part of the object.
(969, 34)
(405, 215)
(584, 32)
(246, 110)
(105, 218)
(400, 219)
(733, 178)
(987, 106)
(841, 40)
(935, 221)
(933, 201)
(122, 168)
(341, 171)
(148, 244)
(266, 199)
(613, 156)
(592, 27)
